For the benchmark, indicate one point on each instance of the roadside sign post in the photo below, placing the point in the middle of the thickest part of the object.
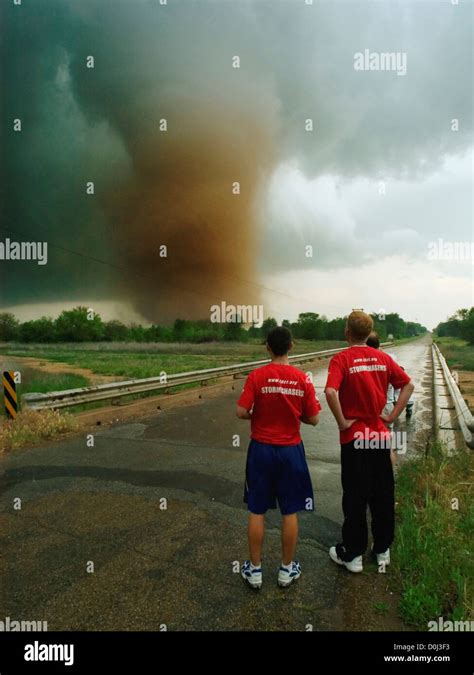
(10, 395)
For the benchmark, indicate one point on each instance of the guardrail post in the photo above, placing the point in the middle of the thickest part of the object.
(9, 394)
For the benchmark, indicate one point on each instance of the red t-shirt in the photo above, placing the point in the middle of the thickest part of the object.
(361, 375)
(280, 396)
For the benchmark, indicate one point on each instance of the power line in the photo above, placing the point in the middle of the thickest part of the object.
(193, 291)
(118, 268)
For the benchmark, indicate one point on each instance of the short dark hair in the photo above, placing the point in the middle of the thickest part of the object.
(373, 340)
(279, 340)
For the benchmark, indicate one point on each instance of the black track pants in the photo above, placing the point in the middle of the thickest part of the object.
(367, 480)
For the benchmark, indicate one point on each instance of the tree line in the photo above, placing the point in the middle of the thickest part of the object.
(460, 325)
(80, 325)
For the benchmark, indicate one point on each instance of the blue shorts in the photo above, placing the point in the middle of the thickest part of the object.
(277, 473)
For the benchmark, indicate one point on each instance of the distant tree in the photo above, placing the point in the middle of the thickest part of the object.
(179, 328)
(234, 332)
(467, 326)
(9, 327)
(77, 325)
(116, 331)
(138, 333)
(394, 325)
(164, 334)
(452, 327)
(307, 316)
(206, 331)
(38, 330)
(267, 326)
(448, 328)
(254, 332)
(310, 326)
(334, 329)
(155, 333)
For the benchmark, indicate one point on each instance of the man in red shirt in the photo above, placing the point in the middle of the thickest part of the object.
(276, 398)
(356, 392)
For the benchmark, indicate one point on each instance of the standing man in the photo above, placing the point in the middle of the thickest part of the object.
(276, 398)
(356, 392)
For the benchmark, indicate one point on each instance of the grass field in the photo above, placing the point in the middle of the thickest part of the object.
(432, 550)
(140, 360)
(38, 381)
(133, 360)
(458, 353)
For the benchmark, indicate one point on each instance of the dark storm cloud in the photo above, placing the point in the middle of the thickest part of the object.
(224, 125)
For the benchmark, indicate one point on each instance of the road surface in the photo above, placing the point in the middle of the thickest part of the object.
(143, 530)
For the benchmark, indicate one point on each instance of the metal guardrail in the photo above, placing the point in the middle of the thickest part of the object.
(463, 414)
(115, 390)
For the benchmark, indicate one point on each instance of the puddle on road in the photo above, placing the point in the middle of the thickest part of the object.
(416, 359)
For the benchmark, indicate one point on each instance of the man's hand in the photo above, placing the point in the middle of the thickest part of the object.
(332, 397)
(313, 421)
(346, 424)
(388, 419)
(243, 413)
(403, 398)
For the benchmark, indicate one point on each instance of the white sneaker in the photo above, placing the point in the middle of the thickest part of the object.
(252, 575)
(383, 557)
(286, 575)
(355, 565)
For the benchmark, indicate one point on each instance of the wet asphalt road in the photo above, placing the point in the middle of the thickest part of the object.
(143, 530)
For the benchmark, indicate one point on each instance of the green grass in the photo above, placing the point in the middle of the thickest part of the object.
(41, 382)
(433, 542)
(151, 360)
(458, 353)
(381, 607)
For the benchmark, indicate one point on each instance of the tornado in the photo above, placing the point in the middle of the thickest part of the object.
(186, 223)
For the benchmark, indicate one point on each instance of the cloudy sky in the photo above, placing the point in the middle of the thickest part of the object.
(384, 173)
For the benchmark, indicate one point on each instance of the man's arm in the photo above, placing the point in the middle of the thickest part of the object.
(247, 399)
(313, 420)
(405, 394)
(332, 397)
(243, 413)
